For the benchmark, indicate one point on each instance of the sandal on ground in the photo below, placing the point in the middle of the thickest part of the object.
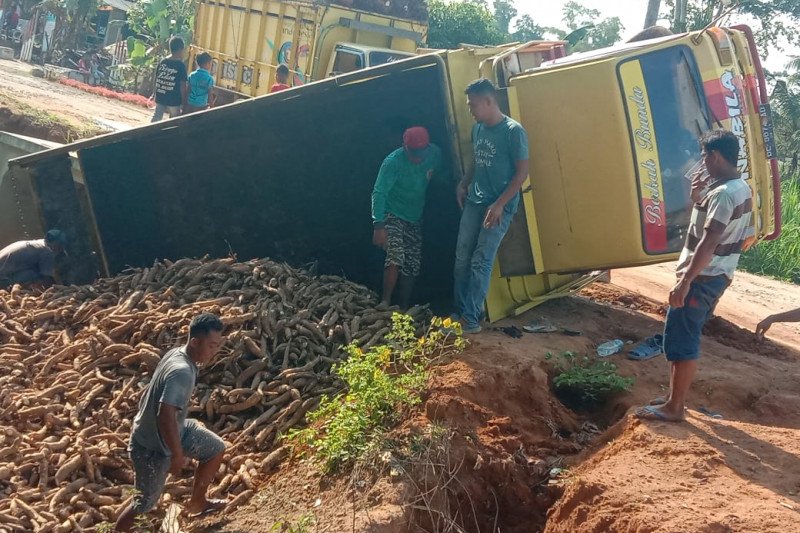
(648, 349)
(212, 506)
(540, 327)
(651, 412)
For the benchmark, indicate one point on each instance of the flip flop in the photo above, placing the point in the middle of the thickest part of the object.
(649, 412)
(648, 349)
(212, 506)
(661, 400)
(709, 413)
(540, 328)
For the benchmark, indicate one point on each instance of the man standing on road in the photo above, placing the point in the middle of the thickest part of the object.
(31, 262)
(171, 77)
(488, 195)
(398, 201)
(720, 226)
(162, 438)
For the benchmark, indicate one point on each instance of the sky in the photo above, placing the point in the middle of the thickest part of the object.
(631, 14)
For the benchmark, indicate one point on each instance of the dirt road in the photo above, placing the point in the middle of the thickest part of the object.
(748, 300)
(79, 108)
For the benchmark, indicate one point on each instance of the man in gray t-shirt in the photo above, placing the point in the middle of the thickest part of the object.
(30, 262)
(488, 196)
(162, 438)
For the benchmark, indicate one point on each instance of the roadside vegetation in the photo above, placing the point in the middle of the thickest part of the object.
(780, 258)
(382, 384)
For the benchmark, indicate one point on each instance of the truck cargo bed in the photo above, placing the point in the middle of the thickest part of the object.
(287, 176)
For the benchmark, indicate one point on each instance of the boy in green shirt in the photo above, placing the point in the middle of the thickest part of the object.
(398, 201)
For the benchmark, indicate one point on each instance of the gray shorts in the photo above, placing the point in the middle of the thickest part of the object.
(151, 467)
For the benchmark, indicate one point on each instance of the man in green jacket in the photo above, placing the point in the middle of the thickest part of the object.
(398, 201)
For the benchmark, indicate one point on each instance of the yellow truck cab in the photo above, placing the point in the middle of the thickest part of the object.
(248, 39)
(613, 142)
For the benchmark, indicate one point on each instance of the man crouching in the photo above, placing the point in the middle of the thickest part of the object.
(162, 438)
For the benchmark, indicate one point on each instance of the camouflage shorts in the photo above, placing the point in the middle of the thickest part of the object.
(404, 245)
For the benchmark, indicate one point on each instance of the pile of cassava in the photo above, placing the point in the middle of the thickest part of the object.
(75, 360)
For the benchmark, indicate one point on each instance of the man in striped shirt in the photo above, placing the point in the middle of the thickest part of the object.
(721, 225)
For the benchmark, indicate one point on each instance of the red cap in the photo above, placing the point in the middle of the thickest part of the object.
(416, 138)
(415, 142)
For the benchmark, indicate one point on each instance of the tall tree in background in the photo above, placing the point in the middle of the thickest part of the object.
(651, 16)
(776, 20)
(527, 30)
(454, 23)
(586, 34)
(504, 13)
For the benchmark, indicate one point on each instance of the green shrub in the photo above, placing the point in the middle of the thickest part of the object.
(586, 383)
(382, 383)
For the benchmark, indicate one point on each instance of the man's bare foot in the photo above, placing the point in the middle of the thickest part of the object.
(205, 507)
(652, 412)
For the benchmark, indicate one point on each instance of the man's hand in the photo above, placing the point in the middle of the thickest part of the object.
(677, 296)
(698, 185)
(176, 464)
(493, 215)
(763, 327)
(461, 193)
(379, 237)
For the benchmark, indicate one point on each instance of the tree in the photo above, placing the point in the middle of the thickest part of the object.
(584, 34)
(154, 22)
(785, 103)
(464, 21)
(777, 20)
(504, 13)
(650, 18)
(527, 30)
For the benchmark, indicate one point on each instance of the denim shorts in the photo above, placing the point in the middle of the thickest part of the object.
(151, 467)
(684, 325)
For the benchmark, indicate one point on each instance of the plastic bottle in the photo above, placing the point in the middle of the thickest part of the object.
(610, 348)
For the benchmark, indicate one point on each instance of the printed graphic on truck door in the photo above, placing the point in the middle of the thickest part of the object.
(667, 113)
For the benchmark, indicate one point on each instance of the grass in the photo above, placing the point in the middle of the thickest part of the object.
(382, 384)
(780, 258)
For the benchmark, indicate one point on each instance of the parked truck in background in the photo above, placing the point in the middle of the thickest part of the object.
(613, 135)
(248, 39)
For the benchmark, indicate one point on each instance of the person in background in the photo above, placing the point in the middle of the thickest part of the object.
(281, 79)
(398, 201)
(201, 86)
(488, 195)
(787, 316)
(721, 225)
(162, 438)
(31, 263)
(170, 86)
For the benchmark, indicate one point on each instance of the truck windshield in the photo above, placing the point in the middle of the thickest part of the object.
(379, 58)
(667, 113)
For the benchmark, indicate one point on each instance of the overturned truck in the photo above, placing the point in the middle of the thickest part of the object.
(289, 176)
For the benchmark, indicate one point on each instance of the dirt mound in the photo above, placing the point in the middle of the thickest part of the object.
(702, 476)
(617, 296)
(40, 126)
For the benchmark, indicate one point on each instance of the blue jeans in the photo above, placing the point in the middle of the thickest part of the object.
(684, 326)
(475, 252)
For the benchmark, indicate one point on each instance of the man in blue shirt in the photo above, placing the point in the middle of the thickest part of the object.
(201, 86)
(488, 195)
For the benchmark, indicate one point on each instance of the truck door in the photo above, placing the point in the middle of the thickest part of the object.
(610, 143)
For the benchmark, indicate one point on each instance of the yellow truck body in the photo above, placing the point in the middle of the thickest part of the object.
(248, 39)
